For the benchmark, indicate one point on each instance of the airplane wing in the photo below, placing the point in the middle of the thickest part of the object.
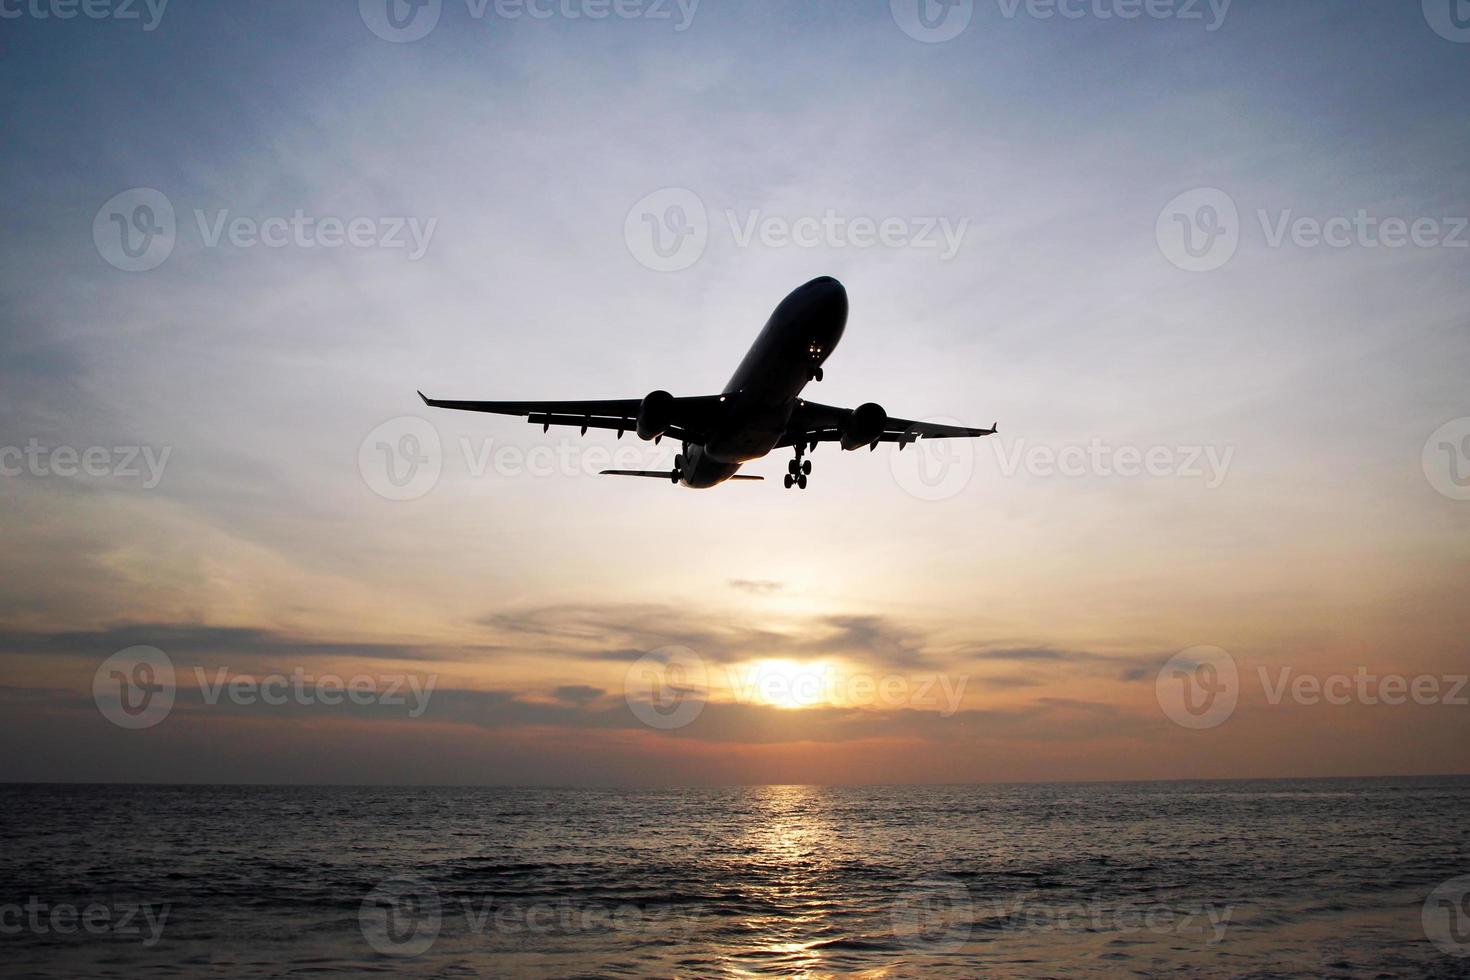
(812, 423)
(690, 418)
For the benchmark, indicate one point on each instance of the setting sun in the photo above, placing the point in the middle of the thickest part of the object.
(785, 683)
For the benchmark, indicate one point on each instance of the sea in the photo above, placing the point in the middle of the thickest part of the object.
(1278, 878)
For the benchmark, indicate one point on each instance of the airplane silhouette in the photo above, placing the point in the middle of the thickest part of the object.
(759, 411)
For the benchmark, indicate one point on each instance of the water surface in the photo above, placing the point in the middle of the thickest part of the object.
(1267, 879)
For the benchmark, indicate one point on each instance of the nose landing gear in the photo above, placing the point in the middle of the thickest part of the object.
(814, 354)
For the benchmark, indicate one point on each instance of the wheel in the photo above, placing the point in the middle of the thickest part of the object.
(787, 480)
(801, 481)
(678, 462)
(806, 466)
(817, 374)
(674, 476)
(793, 466)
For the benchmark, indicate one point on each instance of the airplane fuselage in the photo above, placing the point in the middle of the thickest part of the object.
(761, 395)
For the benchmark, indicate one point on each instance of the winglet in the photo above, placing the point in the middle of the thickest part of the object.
(425, 398)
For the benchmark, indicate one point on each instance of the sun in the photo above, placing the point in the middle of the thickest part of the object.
(788, 683)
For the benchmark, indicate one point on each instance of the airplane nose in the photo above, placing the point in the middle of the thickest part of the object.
(830, 297)
(829, 290)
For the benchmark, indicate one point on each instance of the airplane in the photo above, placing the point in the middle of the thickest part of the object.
(760, 410)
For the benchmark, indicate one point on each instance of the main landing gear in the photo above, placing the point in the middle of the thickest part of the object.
(797, 471)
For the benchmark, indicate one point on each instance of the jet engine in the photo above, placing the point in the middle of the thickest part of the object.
(655, 413)
(863, 426)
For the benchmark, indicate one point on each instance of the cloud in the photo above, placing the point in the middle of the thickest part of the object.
(614, 631)
(577, 693)
(627, 632)
(874, 638)
(618, 633)
(191, 641)
(1009, 681)
(1123, 667)
(757, 586)
(720, 721)
(1073, 704)
(1049, 654)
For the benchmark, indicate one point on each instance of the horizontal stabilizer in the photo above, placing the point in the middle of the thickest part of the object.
(667, 475)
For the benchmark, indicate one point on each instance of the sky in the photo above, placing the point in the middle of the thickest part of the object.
(1206, 266)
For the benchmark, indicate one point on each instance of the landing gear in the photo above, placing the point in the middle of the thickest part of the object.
(796, 472)
(815, 374)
